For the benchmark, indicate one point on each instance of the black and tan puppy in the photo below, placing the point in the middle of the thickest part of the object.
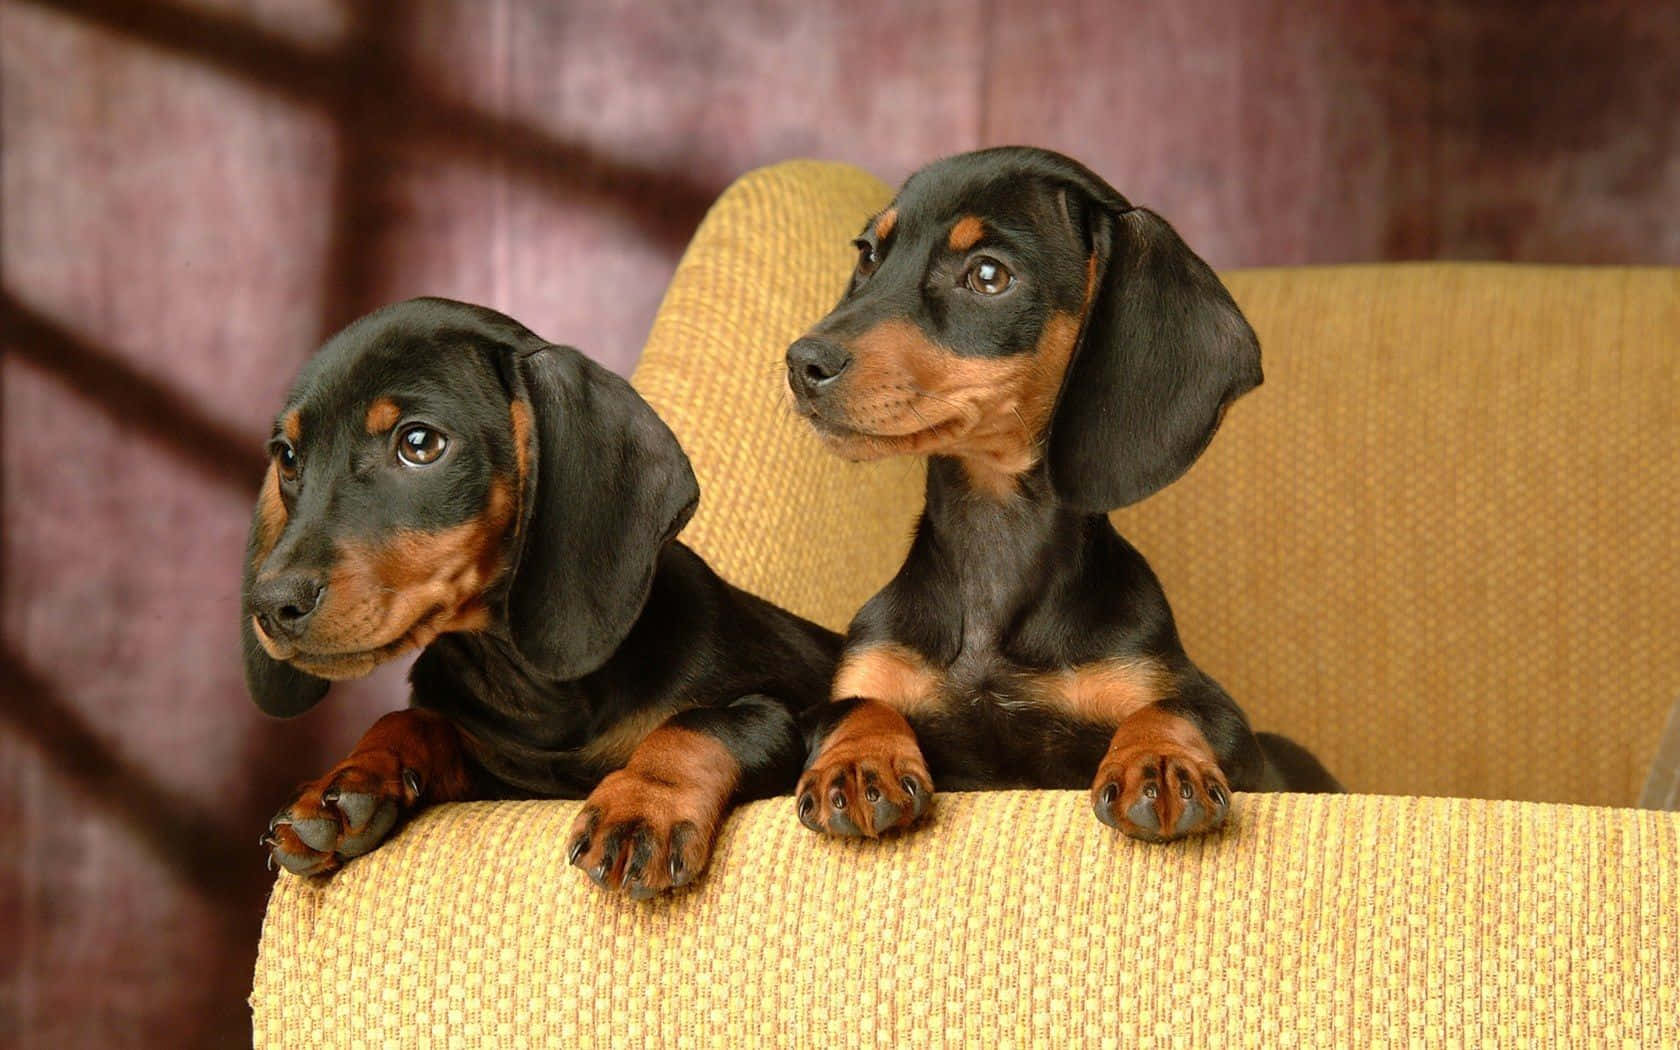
(1058, 353)
(444, 480)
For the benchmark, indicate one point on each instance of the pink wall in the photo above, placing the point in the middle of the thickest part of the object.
(197, 191)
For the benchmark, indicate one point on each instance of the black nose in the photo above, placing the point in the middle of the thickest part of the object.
(283, 604)
(814, 364)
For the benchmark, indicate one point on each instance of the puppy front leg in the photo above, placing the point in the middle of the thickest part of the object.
(650, 826)
(406, 760)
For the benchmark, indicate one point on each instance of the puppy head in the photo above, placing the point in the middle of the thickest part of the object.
(1009, 308)
(440, 468)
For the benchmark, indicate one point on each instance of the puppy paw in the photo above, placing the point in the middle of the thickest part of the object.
(1160, 793)
(343, 815)
(868, 778)
(642, 835)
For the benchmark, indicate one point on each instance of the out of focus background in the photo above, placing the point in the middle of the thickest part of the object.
(197, 192)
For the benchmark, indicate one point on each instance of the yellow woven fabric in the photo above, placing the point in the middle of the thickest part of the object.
(1442, 542)
(1015, 920)
(778, 514)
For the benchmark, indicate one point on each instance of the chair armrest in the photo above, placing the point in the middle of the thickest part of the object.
(1014, 918)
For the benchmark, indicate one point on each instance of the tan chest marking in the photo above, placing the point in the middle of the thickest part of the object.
(1104, 693)
(893, 674)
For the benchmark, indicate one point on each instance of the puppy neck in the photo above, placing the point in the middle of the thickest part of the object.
(996, 546)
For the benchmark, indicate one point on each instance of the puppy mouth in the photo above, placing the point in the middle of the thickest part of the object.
(341, 663)
(853, 442)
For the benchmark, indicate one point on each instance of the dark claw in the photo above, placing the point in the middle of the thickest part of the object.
(641, 851)
(1220, 798)
(1150, 791)
(1186, 790)
(611, 846)
(1110, 793)
(808, 811)
(280, 818)
(330, 795)
(910, 786)
(678, 868)
(837, 798)
(872, 794)
(271, 861)
(577, 849)
(411, 781)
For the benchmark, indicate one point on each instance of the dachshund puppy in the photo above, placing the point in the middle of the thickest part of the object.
(443, 480)
(1057, 353)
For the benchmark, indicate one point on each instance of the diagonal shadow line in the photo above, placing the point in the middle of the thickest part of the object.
(186, 838)
(131, 397)
(665, 204)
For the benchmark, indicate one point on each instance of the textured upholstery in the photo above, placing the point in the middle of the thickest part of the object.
(1014, 920)
(1439, 545)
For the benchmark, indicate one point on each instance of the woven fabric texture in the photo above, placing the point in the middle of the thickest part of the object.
(779, 515)
(1014, 920)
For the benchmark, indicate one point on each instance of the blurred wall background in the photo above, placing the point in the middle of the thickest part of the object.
(197, 192)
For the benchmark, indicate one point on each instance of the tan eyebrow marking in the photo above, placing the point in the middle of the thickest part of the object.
(965, 234)
(382, 415)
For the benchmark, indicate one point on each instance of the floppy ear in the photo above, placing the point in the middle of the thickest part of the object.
(278, 688)
(1164, 350)
(609, 488)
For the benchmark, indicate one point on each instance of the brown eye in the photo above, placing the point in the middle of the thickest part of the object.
(868, 258)
(988, 276)
(420, 445)
(285, 460)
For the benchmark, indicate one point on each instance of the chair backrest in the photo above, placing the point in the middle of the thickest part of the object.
(1440, 545)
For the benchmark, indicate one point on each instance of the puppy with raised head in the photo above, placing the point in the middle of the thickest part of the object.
(443, 480)
(1057, 353)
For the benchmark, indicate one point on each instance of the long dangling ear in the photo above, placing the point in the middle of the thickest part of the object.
(1164, 350)
(609, 487)
(279, 689)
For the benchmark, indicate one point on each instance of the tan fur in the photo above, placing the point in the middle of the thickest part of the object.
(382, 415)
(1104, 693)
(399, 595)
(520, 415)
(884, 224)
(292, 426)
(966, 234)
(914, 397)
(613, 746)
(271, 517)
(892, 674)
(675, 777)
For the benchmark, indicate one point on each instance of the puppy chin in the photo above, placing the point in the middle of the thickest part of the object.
(340, 666)
(337, 666)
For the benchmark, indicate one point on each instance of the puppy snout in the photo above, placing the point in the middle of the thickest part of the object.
(283, 604)
(813, 366)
